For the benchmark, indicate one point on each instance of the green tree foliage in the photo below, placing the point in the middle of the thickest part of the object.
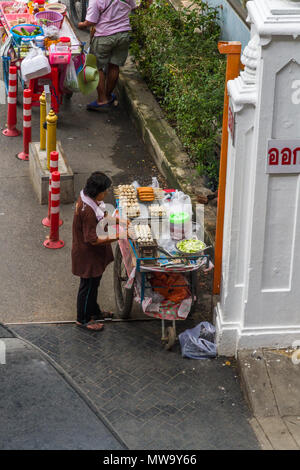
(177, 55)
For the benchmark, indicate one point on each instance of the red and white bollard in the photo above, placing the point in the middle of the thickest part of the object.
(27, 102)
(54, 242)
(11, 130)
(53, 167)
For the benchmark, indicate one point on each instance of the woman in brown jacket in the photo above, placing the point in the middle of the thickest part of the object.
(90, 253)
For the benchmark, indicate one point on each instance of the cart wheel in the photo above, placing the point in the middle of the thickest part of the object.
(194, 290)
(123, 296)
(171, 338)
(78, 10)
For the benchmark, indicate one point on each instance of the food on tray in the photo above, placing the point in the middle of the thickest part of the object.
(157, 211)
(146, 194)
(191, 246)
(141, 233)
(128, 200)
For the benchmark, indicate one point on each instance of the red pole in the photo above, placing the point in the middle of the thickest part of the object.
(27, 102)
(11, 130)
(54, 242)
(53, 167)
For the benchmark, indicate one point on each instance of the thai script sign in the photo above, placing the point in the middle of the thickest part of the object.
(283, 156)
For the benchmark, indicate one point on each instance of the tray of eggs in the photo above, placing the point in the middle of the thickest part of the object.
(128, 202)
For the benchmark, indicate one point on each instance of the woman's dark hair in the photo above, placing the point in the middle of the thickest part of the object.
(97, 183)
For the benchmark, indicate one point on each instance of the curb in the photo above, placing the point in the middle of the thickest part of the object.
(162, 142)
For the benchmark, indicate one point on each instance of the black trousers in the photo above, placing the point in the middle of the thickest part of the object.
(87, 306)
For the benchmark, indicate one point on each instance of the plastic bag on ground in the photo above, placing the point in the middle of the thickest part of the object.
(199, 342)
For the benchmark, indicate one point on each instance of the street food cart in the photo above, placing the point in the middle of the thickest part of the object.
(150, 265)
(23, 29)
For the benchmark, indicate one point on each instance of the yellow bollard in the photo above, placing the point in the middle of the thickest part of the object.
(42, 121)
(51, 135)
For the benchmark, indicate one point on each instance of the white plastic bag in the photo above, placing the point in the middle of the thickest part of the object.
(35, 65)
(71, 82)
(199, 342)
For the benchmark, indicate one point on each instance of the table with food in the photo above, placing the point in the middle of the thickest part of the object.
(157, 264)
(39, 39)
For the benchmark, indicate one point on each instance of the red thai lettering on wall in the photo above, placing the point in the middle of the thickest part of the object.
(283, 156)
(273, 156)
(295, 155)
(286, 156)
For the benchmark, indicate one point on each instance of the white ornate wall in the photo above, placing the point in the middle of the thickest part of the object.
(260, 292)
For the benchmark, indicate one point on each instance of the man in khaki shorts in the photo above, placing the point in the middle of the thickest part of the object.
(110, 43)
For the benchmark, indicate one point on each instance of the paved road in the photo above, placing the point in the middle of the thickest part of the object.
(42, 410)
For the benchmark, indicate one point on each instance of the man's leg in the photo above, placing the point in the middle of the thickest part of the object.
(101, 89)
(112, 78)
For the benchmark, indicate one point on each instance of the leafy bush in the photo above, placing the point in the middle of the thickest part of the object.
(177, 55)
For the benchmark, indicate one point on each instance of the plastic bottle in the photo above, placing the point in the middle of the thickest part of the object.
(155, 183)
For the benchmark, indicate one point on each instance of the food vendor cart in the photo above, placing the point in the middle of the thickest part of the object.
(22, 26)
(149, 266)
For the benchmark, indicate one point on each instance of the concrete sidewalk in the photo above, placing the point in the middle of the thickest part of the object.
(271, 382)
(42, 410)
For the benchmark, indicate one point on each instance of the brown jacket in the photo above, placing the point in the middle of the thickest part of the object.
(88, 260)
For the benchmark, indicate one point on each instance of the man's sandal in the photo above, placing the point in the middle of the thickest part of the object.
(91, 326)
(94, 105)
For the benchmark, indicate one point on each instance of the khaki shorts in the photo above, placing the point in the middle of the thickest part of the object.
(111, 49)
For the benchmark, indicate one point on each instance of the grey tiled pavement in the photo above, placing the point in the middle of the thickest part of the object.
(153, 398)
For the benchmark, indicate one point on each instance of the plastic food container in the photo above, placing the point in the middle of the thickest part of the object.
(40, 41)
(58, 7)
(29, 28)
(49, 18)
(59, 54)
(180, 225)
(7, 8)
(65, 41)
(19, 18)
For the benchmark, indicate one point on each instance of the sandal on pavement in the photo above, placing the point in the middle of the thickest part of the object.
(91, 326)
(94, 104)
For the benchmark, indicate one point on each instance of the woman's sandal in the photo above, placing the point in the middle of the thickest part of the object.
(103, 316)
(91, 326)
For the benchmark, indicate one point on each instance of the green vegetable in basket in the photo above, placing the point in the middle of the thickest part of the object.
(24, 32)
(35, 32)
(18, 32)
(191, 246)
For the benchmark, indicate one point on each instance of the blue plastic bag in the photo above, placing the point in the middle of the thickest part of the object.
(199, 342)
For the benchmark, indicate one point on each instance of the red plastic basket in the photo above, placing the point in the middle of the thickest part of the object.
(53, 18)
